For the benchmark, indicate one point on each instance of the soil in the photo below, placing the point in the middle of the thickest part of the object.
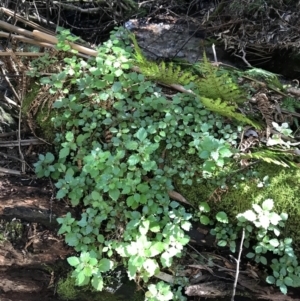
(30, 249)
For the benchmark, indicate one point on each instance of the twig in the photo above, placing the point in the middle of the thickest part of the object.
(23, 166)
(26, 40)
(9, 156)
(93, 10)
(243, 57)
(5, 53)
(10, 171)
(51, 39)
(10, 101)
(13, 143)
(10, 85)
(214, 52)
(16, 29)
(25, 21)
(238, 265)
(7, 134)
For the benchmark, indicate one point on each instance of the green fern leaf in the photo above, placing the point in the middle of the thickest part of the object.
(272, 156)
(227, 110)
(216, 86)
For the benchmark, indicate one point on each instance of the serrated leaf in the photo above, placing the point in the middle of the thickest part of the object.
(105, 265)
(268, 205)
(186, 225)
(131, 145)
(114, 194)
(133, 159)
(95, 195)
(151, 266)
(225, 152)
(97, 282)
(250, 215)
(222, 243)
(49, 158)
(64, 152)
(274, 218)
(73, 261)
(154, 227)
(274, 242)
(141, 134)
(80, 278)
(288, 281)
(69, 136)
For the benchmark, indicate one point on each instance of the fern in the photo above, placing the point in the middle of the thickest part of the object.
(224, 109)
(291, 104)
(216, 86)
(162, 72)
(259, 73)
(219, 93)
(272, 156)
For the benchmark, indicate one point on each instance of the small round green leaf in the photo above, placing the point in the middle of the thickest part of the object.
(204, 220)
(222, 217)
(270, 280)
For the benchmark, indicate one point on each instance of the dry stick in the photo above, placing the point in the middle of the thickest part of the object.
(46, 37)
(214, 52)
(25, 21)
(9, 171)
(26, 40)
(33, 141)
(34, 42)
(243, 57)
(238, 265)
(5, 53)
(10, 85)
(81, 10)
(23, 166)
(16, 29)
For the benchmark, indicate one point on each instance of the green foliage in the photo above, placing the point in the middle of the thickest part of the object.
(265, 226)
(128, 213)
(261, 74)
(269, 155)
(224, 109)
(291, 104)
(218, 93)
(215, 86)
(119, 144)
(161, 292)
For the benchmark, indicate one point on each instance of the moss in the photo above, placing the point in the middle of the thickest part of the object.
(43, 117)
(282, 186)
(67, 290)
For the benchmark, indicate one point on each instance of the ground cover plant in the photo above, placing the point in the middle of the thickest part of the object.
(119, 145)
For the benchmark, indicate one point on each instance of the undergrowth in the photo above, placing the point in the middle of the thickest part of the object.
(118, 144)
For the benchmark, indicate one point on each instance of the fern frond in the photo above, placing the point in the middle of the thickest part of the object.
(290, 104)
(272, 156)
(259, 73)
(214, 86)
(224, 109)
